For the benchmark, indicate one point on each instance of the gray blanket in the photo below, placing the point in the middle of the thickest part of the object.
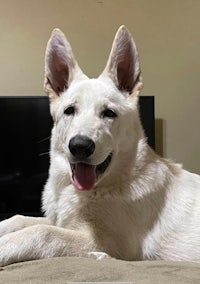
(64, 269)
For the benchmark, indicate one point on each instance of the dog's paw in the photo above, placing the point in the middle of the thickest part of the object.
(19, 222)
(24, 244)
(98, 255)
(10, 225)
(8, 249)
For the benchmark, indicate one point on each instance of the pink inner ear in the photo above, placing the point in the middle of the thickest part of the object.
(59, 81)
(125, 71)
(59, 72)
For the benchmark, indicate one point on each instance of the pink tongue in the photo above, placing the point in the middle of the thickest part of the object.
(84, 176)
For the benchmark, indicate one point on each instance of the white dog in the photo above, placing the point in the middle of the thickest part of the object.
(107, 191)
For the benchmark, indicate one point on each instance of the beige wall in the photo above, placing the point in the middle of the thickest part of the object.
(167, 34)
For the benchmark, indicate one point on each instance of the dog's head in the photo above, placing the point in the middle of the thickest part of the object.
(96, 123)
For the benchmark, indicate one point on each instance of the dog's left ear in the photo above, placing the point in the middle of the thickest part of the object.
(123, 63)
(61, 67)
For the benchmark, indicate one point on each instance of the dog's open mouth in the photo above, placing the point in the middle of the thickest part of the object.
(85, 175)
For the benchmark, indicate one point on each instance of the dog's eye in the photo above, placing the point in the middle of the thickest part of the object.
(109, 113)
(70, 110)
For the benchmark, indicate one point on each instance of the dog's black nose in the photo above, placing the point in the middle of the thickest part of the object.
(81, 147)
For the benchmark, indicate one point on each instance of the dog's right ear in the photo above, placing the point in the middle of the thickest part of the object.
(61, 67)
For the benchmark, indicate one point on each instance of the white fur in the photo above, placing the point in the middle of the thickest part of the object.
(142, 207)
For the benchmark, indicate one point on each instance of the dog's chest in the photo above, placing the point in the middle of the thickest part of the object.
(110, 220)
(101, 211)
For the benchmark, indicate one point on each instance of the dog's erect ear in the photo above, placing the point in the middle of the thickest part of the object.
(123, 63)
(61, 67)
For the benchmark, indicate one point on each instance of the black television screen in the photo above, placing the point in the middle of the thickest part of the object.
(25, 125)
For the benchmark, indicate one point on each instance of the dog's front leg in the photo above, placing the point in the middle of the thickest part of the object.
(43, 241)
(19, 222)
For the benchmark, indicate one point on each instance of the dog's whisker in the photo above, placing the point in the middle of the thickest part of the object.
(44, 139)
(43, 154)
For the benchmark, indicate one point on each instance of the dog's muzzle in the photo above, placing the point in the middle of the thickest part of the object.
(84, 174)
